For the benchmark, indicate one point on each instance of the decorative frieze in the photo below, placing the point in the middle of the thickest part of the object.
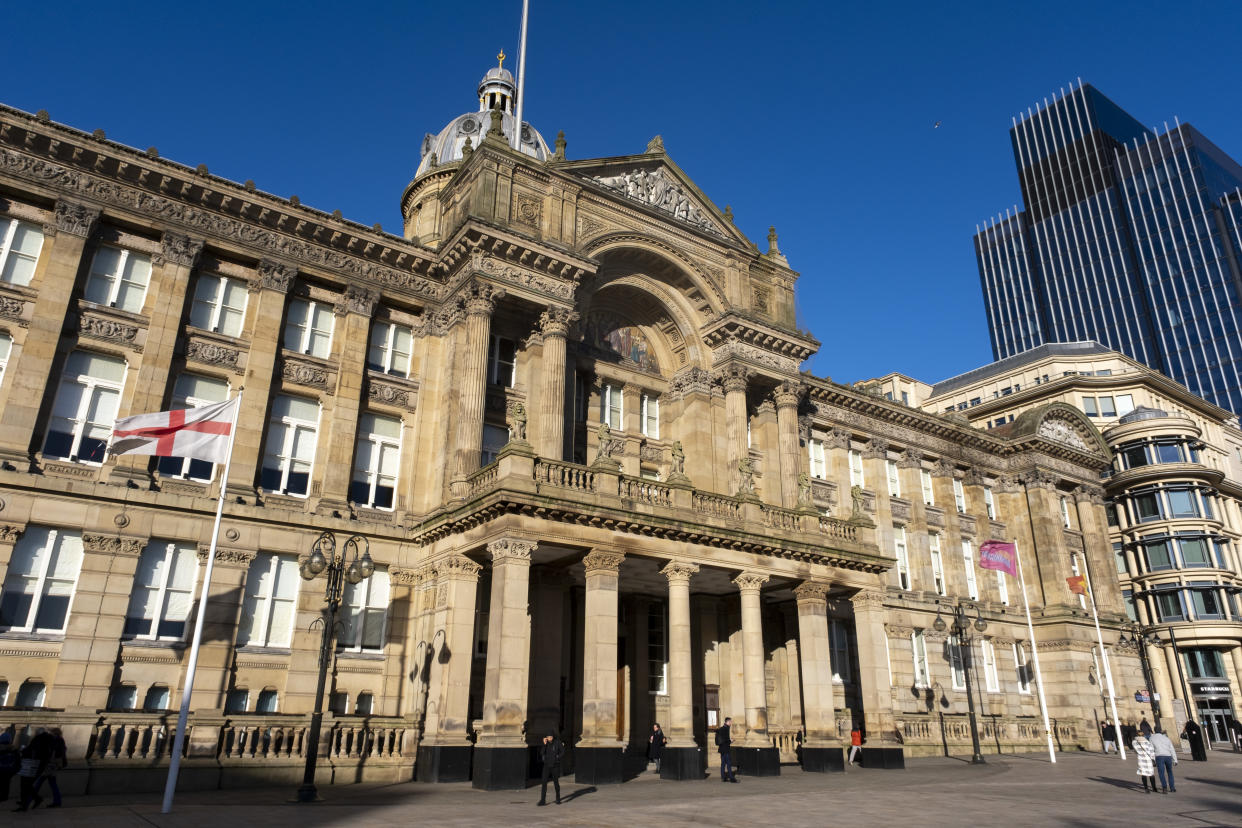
(733, 348)
(209, 353)
(178, 249)
(304, 373)
(457, 566)
(388, 394)
(71, 217)
(656, 188)
(275, 275)
(112, 545)
(226, 556)
(690, 380)
(108, 330)
(13, 309)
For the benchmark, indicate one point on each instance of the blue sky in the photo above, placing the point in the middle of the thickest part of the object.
(815, 117)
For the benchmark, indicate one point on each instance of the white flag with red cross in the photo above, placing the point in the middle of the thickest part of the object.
(197, 433)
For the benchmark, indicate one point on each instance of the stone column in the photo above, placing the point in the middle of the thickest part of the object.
(353, 314)
(882, 749)
(554, 325)
(682, 757)
(1050, 553)
(55, 276)
(734, 378)
(1098, 550)
(787, 396)
(598, 753)
(444, 755)
(821, 750)
(500, 754)
(479, 301)
(755, 754)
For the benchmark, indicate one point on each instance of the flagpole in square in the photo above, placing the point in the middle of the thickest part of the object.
(1108, 671)
(1039, 679)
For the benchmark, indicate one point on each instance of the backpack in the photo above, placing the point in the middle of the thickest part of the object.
(719, 740)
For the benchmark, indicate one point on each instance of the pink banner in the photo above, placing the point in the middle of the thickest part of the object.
(1000, 556)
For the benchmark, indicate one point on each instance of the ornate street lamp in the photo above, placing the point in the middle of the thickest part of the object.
(323, 558)
(961, 629)
(1140, 642)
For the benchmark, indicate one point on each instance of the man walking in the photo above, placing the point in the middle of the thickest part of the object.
(1110, 738)
(724, 742)
(1166, 758)
(551, 752)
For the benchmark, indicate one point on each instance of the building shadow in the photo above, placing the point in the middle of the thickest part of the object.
(1116, 783)
(1219, 782)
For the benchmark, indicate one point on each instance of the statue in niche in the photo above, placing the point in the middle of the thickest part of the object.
(804, 490)
(679, 458)
(746, 475)
(856, 495)
(519, 423)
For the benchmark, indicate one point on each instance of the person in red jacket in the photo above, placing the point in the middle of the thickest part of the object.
(855, 743)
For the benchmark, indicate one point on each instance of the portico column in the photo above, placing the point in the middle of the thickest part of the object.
(598, 752)
(821, 751)
(356, 307)
(755, 755)
(680, 728)
(554, 325)
(882, 749)
(479, 302)
(500, 754)
(735, 379)
(787, 396)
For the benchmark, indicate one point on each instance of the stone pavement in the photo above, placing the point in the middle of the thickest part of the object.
(1082, 789)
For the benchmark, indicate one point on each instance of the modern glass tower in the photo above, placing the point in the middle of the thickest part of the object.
(1129, 236)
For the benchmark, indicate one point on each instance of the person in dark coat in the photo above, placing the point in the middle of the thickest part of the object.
(1128, 732)
(1236, 727)
(35, 759)
(724, 743)
(655, 745)
(1145, 727)
(57, 762)
(551, 752)
(1109, 736)
(1194, 734)
(10, 761)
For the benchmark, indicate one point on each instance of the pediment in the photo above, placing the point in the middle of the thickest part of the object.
(1063, 424)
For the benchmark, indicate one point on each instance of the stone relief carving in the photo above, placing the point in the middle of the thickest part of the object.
(12, 308)
(858, 503)
(226, 556)
(658, 189)
(71, 217)
(600, 560)
(746, 477)
(179, 249)
(529, 209)
(10, 533)
(650, 454)
(211, 354)
(358, 300)
(112, 545)
(389, 394)
(1062, 432)
(877, 449)
(511, 549)
(679, 571)
(304, 374)
(679, 458)
(108, 330)
(690, 380)
(275, 276)
(742, 350)
(518, 423)
(526, 278)
(589, 227)
(750, 581)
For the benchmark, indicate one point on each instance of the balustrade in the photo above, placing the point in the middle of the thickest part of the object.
(564, 475)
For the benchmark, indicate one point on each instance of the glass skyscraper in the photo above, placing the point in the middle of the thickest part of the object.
(1129, 237)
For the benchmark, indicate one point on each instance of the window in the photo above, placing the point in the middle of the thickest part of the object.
(1110, 514)
(4, 693)
(495, 438)
(1127, 598)
(20, 243)
(42, 576)
(1065, 514)
(219, 305)
(1183, 503)
(1205, 601)
(191, 391)
(268, 605)
(85, 408)
(990, 679)
(937, 563)
(338, 703)
(156, 700)
(922, 678)
(1169, 605)
(1125, 404)
(1194, 551)
(377, 456)
(968, 560)
(1002, 588)
(956, 667)
(502, 361)
(364, 705)
(1204, 663)
(903, 563)
(989, 502)
(124, 697)
(365, 612)
(290, 451)
(6, 348)
(159, 606)
(237, 700)
(819, 466)
(30, 694)
(657, 649)
(1089, 408)
(1082, 599)
(1119, 557)
(959, 496)
(856, 468)
(1134, 455)
(1106, 407)
(308, 329)
(1158, 555)
(267, 702)
(610, 397)
(390, 349)
(1169, 451)
(929, 494)
(1024, 670)
(651, 416)
(1147, 506)
(839, 651)
(118, 279)
(894, 480)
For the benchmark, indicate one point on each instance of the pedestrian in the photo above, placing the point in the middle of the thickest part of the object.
(1128, 732)
(35, 758)
(1166, 758)
(1145, 755)
(57, 762)
(855, 744)
(10, 761)
(1109, 736)
(655, 745)
(1194, 734)
(1237, 734)
(551, 752)
(724, 743)
(1145, 727)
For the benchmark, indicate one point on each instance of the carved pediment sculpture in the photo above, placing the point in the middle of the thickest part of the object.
(658, 189)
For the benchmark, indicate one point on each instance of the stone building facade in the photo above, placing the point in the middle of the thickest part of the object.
(565, 409)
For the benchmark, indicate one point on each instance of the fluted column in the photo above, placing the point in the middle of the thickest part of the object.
(479, 302)
(818, 696)
(554, 325)
(508, 652)
(753, 679)
(787, 396)
(874, 680)
(680, 693)
(735, 379)
(353, 314)
(449, 694)
(599, 650)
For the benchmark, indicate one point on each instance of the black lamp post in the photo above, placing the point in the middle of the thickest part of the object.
(322, 558)
(1140, 642)
(961, 629)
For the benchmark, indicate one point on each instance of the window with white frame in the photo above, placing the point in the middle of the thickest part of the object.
(377, 456)
(157, 698)
(856, 468)
(365, 613)
(85, 407)
(657, 649)
(929, 493)
(219, 305)
(40, 582)
(159, 606)
(6, 348)
(959, 496)
(1065, 514)
(903, 562)
(20, 243)
(495, 438)
(502, 361)
(308, 328)
(269, 601)
(237, 700)
(918, 643)
(1082, 599)
(1002, 588)
(894, 478)
(391, 348)
(268, 702)
(119, 279)
(937, 562)
(1024, 669)
(611, 411)
(365, 704)
(968, 560)
(290, 450)
(819, 466)
(651, 416)
(957, 668)
(990, 678)
(192, 391)
(839, 651)
(989, 502)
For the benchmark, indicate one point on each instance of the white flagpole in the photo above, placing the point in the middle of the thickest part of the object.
(1039, 679)
(1108, 671)
(174, 765)
(521, 81)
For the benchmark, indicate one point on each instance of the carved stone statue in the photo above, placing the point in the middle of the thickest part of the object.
(856, 495)
(519, 423)
(658, 189)
(746, 475)
(804, 490)
(606, 445)
(679, 458)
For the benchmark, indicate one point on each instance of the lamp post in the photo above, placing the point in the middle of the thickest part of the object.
(323, 558)
(961, 629)
(1141, 642)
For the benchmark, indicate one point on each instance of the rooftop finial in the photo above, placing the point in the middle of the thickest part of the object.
(501, 57)
(772, 248)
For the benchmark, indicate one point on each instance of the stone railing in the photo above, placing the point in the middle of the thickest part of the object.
(786, 741)
(483, 480)
(564, 475)
(838, 529)
(265, 737)
(949, 733)
(144, 736)
(716, 505)
(645, 491)
(777, 518)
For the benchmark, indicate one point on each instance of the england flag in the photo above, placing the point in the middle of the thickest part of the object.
(197, 433)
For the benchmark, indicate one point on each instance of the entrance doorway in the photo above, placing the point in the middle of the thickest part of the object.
(1215, 715)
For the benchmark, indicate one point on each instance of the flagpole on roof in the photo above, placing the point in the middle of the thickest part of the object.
(521, 80)
(1039, 679)
(1108, 671)
(174, 765)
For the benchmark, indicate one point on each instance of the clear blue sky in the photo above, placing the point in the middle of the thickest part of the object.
(815, 117)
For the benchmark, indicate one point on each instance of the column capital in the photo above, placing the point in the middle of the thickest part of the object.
(9, 533)
(734, 378)
(809, 592)
(458, 567)
(867, 599)
(943, 468)
(357, 300)
(480, 298)
(876, 450)
(555, 321)
(1038, 479)
(76, 219)
(602, 560)
(276, 276)
(511, 550)
(178, 249)
(1089, 494)
(750, 581)
(112, 544)
(838, 438)
(679, 571)
(788, 394)
(909, 460)
(690, 380)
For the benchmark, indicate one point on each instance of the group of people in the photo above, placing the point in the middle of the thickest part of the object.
(1154, 751)
(1129, 730)
(33, 765)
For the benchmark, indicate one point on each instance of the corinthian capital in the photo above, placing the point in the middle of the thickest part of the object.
(556, 321)
(600, 560)
(788, 394)
(734, 378)
(809, 591)
(679, 571)
(511, 549)
(178, 249)
(480, 299)
(750, 581)
(76, 219)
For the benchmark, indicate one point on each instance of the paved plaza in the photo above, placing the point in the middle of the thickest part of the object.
(1085, 789)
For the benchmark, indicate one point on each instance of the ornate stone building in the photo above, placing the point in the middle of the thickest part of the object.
(565, 408)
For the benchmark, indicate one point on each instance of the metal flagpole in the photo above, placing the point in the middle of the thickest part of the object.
(1039, 679)
(174, 765)
(521, 80)
(1108, 671)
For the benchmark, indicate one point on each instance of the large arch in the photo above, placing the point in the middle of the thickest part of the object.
(654, 256)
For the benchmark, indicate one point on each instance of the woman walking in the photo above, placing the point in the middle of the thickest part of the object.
(1146, 756)
(655, 745)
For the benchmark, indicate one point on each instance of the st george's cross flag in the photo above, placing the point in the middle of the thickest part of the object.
(1000, 556)
(197, 433)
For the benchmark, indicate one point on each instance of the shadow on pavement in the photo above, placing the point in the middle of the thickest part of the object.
(1221, 782)
(578, 793)
(1116, 783)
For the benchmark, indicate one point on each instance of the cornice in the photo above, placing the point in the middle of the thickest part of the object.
(736, 324)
